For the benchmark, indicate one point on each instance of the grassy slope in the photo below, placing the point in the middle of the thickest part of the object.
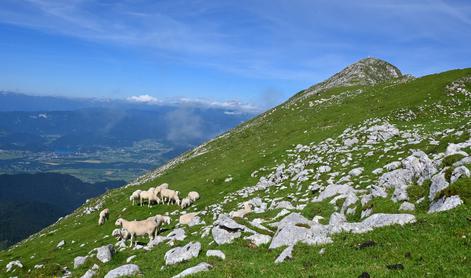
(436, 241)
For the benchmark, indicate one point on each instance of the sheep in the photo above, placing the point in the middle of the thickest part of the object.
(162, 218)
(193, 196)
(121, 234)
(185, 219)
(136, 195)
(140, 228)
(104, 215)
(159, 188)
(242, 212)
(170, 195)
(149, 196)
(186, 202)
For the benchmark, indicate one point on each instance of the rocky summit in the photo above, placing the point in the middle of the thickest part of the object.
(366, 174)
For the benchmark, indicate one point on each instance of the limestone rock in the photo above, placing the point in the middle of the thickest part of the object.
(124, 270)
(445, 204)
(192, 270)
(105, 253)
(216, 253)
(286, 254)
(182, 254)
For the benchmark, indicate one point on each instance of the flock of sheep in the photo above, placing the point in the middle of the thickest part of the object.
(150, 226)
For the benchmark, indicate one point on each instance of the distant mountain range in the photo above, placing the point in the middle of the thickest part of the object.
(29, 202)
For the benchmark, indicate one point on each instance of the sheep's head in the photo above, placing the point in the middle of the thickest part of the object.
(166, 219)
(116, 233)
(119, 222)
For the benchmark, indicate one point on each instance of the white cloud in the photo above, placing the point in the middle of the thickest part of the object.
(144, 99)
(235, 106)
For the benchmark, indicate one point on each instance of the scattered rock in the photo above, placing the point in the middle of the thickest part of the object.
(356, 171)
(406, 206)
(80, 260)
(181, 254)
(177, 234)
(11, 264)
(192, 270)
(459, 172)
(105, 253)
(259, 239)
(216, 253)
(89, 274)
(438, 184)
(129, 259)
(286, 254)
(445, 204)
(61, 244)
(124, 270)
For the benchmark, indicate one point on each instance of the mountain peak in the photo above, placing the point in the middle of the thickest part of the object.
(367, 71)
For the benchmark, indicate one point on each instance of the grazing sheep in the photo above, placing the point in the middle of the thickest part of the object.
(186, 202)
(193, 195)
(135, 196)
(104, 215)
(140, 228)
(149, 196)
(159, 188)
(185, 219)
(170, 195)
(161, 218)
(242, 212)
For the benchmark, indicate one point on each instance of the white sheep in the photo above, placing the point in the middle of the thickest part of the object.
(149, 196)
(186, 202)
(159, 188)
(104, 215)
(161, 218)
(193, 196)
(135, 196)
(185, 219)
(121, 234)
(170, 196)
(140, 228)
(242, 212)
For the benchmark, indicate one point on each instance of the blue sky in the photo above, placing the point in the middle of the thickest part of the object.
(256, 51)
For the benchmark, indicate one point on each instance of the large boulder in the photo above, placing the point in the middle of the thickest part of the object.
(124, 270)
(192, 270)
(182, 254)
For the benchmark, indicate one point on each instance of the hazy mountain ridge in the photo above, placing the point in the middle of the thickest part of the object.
(39, 200)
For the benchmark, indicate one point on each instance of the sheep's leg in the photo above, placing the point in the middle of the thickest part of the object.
(132, 240)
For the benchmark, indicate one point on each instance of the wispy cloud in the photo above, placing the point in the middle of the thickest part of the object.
(234, 106)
